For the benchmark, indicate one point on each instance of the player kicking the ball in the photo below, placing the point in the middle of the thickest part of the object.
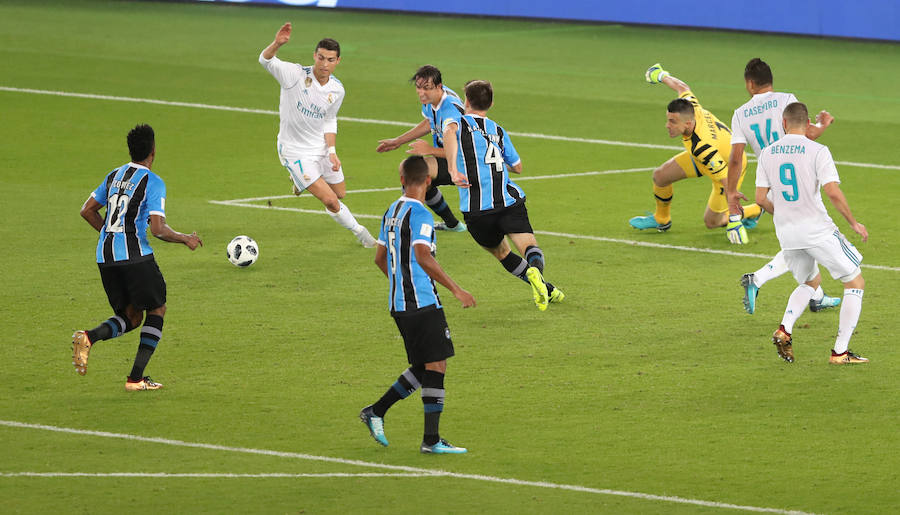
(405, 255)
(310, 99)
(794, 169)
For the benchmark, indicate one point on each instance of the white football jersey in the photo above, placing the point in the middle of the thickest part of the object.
(795, 168)
(758, 122)
(308, 109)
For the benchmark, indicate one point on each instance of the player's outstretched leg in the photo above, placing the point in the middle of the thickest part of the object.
(81, 349)
(783, 344)
(751, 290)
(375, 425)
(434, 199)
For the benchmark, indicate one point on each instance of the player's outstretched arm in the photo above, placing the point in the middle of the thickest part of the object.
(281, 37)
(386, 145)
(161, 230)
(823, 120)
(656, 75)
(434, 270)
(451, 148)
(840, 203)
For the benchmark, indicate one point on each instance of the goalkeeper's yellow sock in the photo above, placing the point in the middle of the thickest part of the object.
(663, 203)
(752, 210)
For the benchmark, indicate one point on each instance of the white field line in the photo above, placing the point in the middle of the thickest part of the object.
(413, 470)
(376, 122)
(635, 243)
(201, 475)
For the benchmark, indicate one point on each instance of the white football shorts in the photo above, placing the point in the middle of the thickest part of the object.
(306, 169)
(836, 254)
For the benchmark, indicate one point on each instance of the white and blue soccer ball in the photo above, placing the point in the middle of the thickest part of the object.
(242, 251)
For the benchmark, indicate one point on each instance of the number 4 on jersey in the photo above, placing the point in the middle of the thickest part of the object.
(494, 157)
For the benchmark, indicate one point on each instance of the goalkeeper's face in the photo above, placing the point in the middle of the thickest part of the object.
(679, 125)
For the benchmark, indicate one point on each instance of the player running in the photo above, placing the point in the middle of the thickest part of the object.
(438, 103)
(758, 123)
(707, 143)
(309, 103)
(493, 206)
(794, 169)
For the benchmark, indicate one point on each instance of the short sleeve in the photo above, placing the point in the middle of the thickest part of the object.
(421, 226)
(156, 196)
(101, 194)
(509, 151)
(287, 74)
(737, 132)
(825, 170)
(330, 125)
(762, 179)
(382, 233)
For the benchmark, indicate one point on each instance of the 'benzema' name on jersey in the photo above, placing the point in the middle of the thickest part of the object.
(786, 149)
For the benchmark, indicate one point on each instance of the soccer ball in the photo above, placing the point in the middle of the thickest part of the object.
(242, 251)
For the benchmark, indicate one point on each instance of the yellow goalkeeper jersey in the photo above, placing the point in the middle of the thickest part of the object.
(710, 144)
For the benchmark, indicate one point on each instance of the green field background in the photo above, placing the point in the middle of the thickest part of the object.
(649, 379)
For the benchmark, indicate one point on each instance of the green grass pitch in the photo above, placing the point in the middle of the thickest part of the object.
(648, 391)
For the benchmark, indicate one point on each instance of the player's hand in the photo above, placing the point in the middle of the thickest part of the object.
(468, 301)
(193, 241)
(459, 179)
(283, 35)
(420, 148)
(737, 233)
(386, 145)
(335, 162)
(655, 74)
(860, 229)
(734, 202)
(824, 119)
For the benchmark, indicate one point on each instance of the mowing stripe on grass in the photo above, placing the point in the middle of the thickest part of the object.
(414, 470)
(635, 243)
(378, 122)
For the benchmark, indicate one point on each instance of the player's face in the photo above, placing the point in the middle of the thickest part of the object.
(428, 92)
(325, 62)
(676, 125)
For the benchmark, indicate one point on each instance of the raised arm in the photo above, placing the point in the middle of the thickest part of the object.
(281, 37)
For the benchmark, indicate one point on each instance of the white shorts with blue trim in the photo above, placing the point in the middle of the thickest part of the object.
(836, 254)
(306, 169)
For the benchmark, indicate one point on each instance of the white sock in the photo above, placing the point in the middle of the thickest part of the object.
(796, 305)
(819, 294)
(345, 218)
(851, 307)
(770, 270)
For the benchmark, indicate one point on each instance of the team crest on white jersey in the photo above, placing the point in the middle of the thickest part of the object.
(308, 82)
(330, 98)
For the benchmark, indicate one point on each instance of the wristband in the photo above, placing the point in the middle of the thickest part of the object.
(734, 218)
(331, 150)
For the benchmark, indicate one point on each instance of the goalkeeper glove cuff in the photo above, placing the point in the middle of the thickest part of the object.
(736, 231)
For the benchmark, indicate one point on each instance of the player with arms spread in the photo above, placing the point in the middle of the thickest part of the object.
(132, 195)
(707, 143)
(405, 254)
(493, 206)
(795, 168)
(758, 123)
(310, 100)
(438, 102)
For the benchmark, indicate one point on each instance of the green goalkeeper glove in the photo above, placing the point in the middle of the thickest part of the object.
(655, 74)
(736, 231)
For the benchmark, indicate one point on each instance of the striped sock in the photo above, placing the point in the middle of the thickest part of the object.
(408, 382)
(109, 329)
(433, 403)
(151, 333)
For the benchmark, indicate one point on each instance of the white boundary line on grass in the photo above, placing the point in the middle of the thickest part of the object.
(412, 470)
(376, 122)
(246, 202)
(201, 475)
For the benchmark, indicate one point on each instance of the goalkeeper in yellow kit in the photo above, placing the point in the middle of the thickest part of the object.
(707, 143)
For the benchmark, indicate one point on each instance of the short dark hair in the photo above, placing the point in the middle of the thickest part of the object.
(796, 114)
(480, 94)
(681, 106)
(428, 72)
(415, 170)
(141, 142)
(329, 44)
(758, 71)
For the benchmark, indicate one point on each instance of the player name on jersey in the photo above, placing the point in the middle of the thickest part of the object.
(775, 148)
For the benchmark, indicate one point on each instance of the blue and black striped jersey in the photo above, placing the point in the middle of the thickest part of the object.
(131, 193)
(451, 107)
(485, 151)
(405, 224)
